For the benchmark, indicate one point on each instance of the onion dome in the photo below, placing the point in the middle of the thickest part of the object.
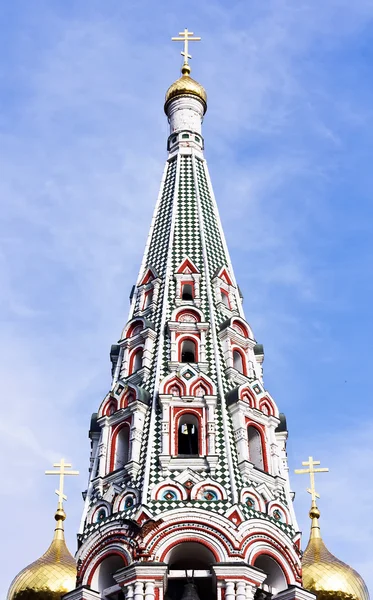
(186, 86)
(325, 575)
(52, 575)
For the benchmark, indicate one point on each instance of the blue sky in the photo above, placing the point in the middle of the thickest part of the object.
(288, 137)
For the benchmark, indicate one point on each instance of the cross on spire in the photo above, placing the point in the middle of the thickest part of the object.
(310, 463)
(61, 466)
(186, 37)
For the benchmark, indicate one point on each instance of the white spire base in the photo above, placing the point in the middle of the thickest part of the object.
(185, 114)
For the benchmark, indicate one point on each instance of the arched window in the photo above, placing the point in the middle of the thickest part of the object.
(276, 580)
(238, 361)
(136, 361)
(190, 556)
(188, 351)
(122, 448)
(136, 329)
(187, 435)
(255, 447)
(148, 299)
(101, 515)
(225, 298)
(103, 575)
(187, 292)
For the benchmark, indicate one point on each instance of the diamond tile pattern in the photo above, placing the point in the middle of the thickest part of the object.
(187, 208)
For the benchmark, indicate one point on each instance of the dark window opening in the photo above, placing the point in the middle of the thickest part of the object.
(187, 437)
(137, 361)
(187, 292)
(191, 556)
(188, 351)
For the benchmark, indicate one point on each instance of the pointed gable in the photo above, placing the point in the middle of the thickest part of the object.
(187, 267)
(148, 276)
(223, 274)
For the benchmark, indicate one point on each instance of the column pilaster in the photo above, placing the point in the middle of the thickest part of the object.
(140, 581)
(238, 580)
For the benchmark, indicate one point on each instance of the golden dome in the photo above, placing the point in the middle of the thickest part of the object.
(324, 574)
(186, 86)
(52, 575)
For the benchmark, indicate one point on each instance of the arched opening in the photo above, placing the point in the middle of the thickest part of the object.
(225, 298)
(255, 447)
(103, 575)
(122, 448)
(276, 580)
(238, 363)
(136, 361)
(188, 351)
(101, 515)
(187, 292)
(148, 299)
(190, 556)
(187, 435)
(135, 329)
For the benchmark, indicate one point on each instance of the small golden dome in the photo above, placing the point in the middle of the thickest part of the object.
(186, 86)
(324, 574)
(52, 575)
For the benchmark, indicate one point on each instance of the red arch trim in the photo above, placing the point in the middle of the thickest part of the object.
(191, 539)
(187, 411)
(248, 392)
(102, 558)
(175, 381)
(262, 439)
(133, 326)
(189, 311)
(106, 407)
(267, 402)
(133, 357)
(113, 444)
(276, 559)
(189, 338)
(201, 381)
(243, 356)
(243, 327)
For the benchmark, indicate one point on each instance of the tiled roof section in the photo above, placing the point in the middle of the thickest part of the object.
(156, 257)
(186, 224)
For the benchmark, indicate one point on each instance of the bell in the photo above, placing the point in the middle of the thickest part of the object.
(190, 592)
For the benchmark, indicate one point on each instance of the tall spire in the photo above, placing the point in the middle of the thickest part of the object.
(188, 450)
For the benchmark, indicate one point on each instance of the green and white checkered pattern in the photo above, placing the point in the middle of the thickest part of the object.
(187, 218)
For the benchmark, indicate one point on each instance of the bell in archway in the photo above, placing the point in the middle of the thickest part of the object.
(190, 592)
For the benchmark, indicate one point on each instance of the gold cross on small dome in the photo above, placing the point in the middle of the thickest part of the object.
(186, 37)
(310, 463)
(61, 466)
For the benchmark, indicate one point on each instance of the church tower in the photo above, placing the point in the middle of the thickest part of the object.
(188, 495)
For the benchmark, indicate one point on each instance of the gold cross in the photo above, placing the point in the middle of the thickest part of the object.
(61, 472)
(311, 470)
(186, 37)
